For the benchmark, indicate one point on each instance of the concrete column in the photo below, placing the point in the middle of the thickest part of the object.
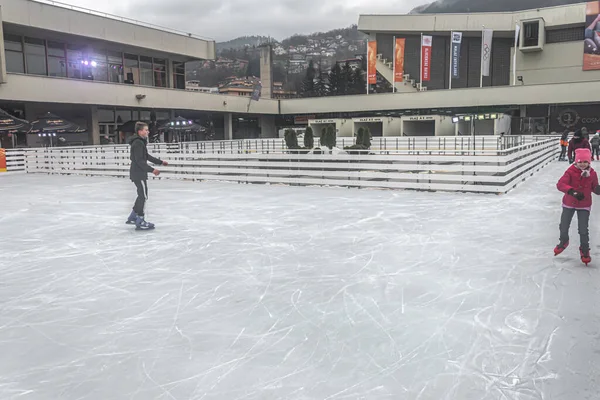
(2, 54)
(228, 126)
(266, 71)
(267, 126)
(93, 127)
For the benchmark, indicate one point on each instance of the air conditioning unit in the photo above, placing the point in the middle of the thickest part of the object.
(533, 35)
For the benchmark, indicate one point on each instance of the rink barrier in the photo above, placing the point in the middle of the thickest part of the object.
(480, 171)
(15, 160)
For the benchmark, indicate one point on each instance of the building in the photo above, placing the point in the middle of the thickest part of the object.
(235, 86)
(101, 71)
(545, 79)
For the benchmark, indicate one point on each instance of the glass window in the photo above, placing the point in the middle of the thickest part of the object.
(75, 62)
(179, 75)
(106, 115)
(131, 67)
(115, 67)
(160, 72)
(57, 60)
(35, 56)
(146, 78)
(145, 115)
(125, 115)
(13, 49)
(99, 65)
(14, 62)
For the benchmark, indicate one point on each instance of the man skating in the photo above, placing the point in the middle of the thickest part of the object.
(138, 173)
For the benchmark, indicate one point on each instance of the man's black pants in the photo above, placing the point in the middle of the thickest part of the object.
(142, 196)
(583, 218)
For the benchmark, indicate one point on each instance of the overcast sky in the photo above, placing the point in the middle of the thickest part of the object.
(227, 19)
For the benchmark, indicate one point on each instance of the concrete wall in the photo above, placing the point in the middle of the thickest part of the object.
(500, 22)
(444, 126)
(31, 88)
(558, 62)
(53, 18)
(268, 129)
(344, 127)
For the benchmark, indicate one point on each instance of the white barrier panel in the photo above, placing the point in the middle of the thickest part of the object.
(483, 171)
(15, 160)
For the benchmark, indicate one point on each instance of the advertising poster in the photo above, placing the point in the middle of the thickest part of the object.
(372, 62)
(2, 160)
(456, 42)
(591, 45)
(426, 57)
(399, 60)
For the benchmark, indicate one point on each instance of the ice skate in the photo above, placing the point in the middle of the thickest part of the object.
(142, 224)
(585, 256)
(132, 218)
(560, 247)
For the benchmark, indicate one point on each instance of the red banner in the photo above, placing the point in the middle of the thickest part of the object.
(372, 62)
(426, 58)
(2, 160)
(399, 60)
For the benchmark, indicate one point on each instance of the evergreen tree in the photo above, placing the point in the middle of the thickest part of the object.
(330, 137)
(347, 78)
(336, 81)
(359, 84)
(309, 141)
(323, 138)
(321, 87)
(291, 139)
(308, 83)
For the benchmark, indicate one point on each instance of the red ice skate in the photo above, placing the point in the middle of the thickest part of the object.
(560, 247)
(585, 256)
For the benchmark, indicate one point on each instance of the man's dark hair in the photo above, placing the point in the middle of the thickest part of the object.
(140, 126)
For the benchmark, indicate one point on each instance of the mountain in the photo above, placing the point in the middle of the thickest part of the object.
(241, 42)
(349, 34)
(465, 6)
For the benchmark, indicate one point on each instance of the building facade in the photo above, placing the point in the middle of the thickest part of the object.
(102, 72)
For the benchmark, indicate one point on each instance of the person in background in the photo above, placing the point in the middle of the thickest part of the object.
(564, 143)
(595, 142)
(577, 142)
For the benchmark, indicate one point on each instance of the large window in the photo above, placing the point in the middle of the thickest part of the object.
(35, 56)
(179, 75)
(76, 61)
(75, 66)
(57, 60)
(13, 48)
(132, 69)
(115, 67)
(160, 72)
(146, 78)
(99, 65)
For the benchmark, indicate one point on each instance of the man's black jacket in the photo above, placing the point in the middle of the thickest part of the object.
(139, 159)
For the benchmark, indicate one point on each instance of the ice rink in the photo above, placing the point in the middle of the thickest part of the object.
(274, 292)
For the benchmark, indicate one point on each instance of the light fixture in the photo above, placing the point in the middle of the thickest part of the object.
(94, 63)
(455, 119)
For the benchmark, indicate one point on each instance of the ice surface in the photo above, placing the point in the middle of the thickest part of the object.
(275, 292)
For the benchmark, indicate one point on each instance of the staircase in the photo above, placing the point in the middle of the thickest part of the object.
(386, 69)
